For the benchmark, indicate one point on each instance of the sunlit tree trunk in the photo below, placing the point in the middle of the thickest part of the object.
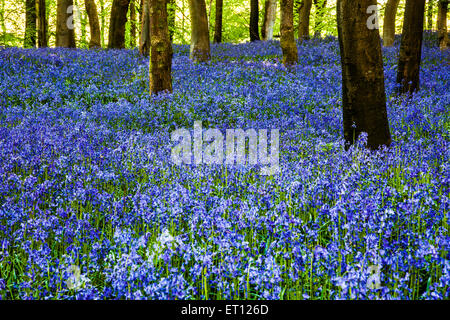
(218, 22)
(65, 35)
(102, 22)
(171, 11)
(320, 16)
(389, 22)
(132, 9)
(363, 91)
(411, 47)
(430, 14)
(304, 12)
(442, 24)
(42, 24)
(94, 25)
(200, 46)
(270, 15)
(161, 48)
(287, 41)
(30, 24)
(117, 24)
(144, 43)
(254, 19)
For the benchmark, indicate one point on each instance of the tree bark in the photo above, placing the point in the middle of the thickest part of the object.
(161, 48)
(389, 23)
(320, 16)
(430, 15)
(411, 47)
(270, 15)
(65, 35)
(144, 44)
(304, 11)
(200, 46)
(132, 9)
(30, 24)
(218, 22)
(254, 19)
(42, 24)
(287, 41)
(171, 11)
(442, 24)
(363, 91)
(94, 24)
(117, 24)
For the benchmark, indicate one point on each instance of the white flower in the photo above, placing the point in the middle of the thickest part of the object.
(374, 279)
(75, 280)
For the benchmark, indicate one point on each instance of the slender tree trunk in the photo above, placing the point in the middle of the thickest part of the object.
(132, 9)
(270, 15)
(200, 47)
(30, 24)
(442, 24)
(389, 23)
(287, 41)
(144, 45)
(411, 47)
(363, 92)
(254, 19)
(320, 16)
(161, 48)
(94, 25)
(304, 12)
(218, 24)
(42, 24)
(102, 22)
(65, 35)
(118, 20)
(430, 15)
(171, 11)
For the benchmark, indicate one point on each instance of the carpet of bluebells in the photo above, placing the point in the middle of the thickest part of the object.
(92, 207)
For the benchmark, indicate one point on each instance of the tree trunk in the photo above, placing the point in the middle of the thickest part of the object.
(442, 24)
(102, 21)
(161, 48)
(363, 92)
(117, 24)
(287, 41)
(304, 12)
(218, 24)
(270, 15)
(132, 24)
(320, 16)
(30, 24)
(254, 19)
(430, 15)
(94, 25)
(42, 24)
(144, 45)
(411, 47)
(65, 35)
(171, 11)
(389, 23)
(200, 47)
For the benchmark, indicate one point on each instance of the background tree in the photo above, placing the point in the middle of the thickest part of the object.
(411, 47)
(200, 46)
(42, 24)
(389, 22)
(65, 35)
(363, 91)
(144, 43)
(442, 24)
(94, 24)
(270, 15)
(30, 24)
(287, 41)
(161, 48)
(254, 19)
(304, 12)
(132, 9)
(218, 22)
(430, 14)
(320, 16)
(117, 24)
(171, 11)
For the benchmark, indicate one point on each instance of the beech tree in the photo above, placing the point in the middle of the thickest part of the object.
(161, 48)
(94, 24)
(363, 91)
(200, 47)
(42, 24)
(65, 35)
(389, 22)
(254, 19)
(304, 12)
(320, 16)
(218, 22)
(287, 41)
(430, 15)
(117, 23)
(411, 47)
(144, 41)
(30, 24)
(270, 15)
(132, 9)
(442, 24)
(171, 11)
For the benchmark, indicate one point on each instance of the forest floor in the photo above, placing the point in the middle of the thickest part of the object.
(92, 206)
